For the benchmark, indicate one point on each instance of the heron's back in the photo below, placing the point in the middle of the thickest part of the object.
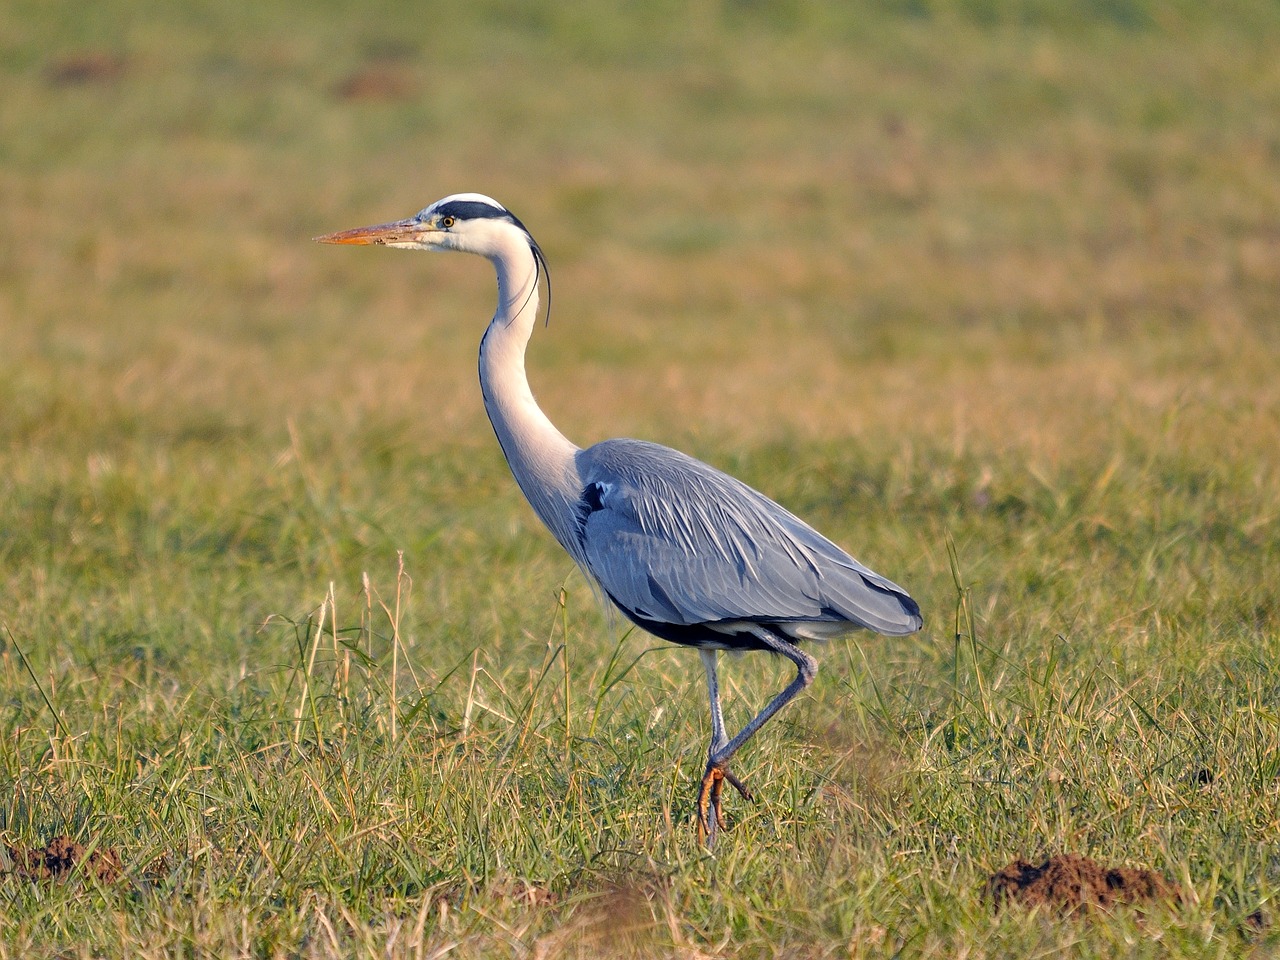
(694, 555)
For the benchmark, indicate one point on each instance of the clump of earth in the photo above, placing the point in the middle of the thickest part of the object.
(59, 858)
(1071, 884)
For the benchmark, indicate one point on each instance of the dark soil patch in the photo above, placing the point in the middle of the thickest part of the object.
(1257, 923)
(1071, 884)
(378, 83)
(59, 858)
(82, 69)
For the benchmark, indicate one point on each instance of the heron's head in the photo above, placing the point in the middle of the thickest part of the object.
(466, 222)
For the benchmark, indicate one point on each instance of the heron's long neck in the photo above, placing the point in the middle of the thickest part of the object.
(540, 456)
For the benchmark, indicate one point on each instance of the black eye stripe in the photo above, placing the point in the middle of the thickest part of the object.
(474, 210)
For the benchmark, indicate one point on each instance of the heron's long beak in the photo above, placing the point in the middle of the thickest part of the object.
(401, 231)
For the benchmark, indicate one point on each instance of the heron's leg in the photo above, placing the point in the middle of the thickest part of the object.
(806, 670)
(718, 736)
(710, 815)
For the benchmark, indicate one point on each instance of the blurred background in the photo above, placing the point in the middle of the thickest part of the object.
(903, 259)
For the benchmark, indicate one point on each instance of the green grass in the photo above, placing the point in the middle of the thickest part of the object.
(1001, 275)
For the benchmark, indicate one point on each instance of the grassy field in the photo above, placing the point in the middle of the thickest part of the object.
(996, 274)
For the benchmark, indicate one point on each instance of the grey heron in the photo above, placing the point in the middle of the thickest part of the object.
(688, 553)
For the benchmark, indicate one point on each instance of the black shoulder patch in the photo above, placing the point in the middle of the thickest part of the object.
(593, 497)
(591, 500)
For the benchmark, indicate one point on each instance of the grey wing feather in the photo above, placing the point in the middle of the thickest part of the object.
(676, 541)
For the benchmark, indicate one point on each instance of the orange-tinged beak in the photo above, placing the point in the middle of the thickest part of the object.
(401, 231)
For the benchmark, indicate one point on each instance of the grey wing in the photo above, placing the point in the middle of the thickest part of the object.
(674, 541)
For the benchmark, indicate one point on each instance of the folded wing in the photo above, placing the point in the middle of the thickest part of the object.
(675, 541)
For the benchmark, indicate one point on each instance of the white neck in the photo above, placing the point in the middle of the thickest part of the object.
(541, 458)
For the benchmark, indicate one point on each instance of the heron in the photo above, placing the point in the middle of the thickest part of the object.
(683, 550)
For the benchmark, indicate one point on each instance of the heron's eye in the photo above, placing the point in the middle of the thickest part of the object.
(447, 222)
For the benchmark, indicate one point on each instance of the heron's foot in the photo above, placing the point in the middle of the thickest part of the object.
(710, 812)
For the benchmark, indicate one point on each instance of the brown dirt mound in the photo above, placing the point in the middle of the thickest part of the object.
(378, 83)
(58, 858)
(1071, 884)
(82, 69)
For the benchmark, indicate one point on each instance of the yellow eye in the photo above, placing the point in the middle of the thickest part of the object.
(447, 222)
